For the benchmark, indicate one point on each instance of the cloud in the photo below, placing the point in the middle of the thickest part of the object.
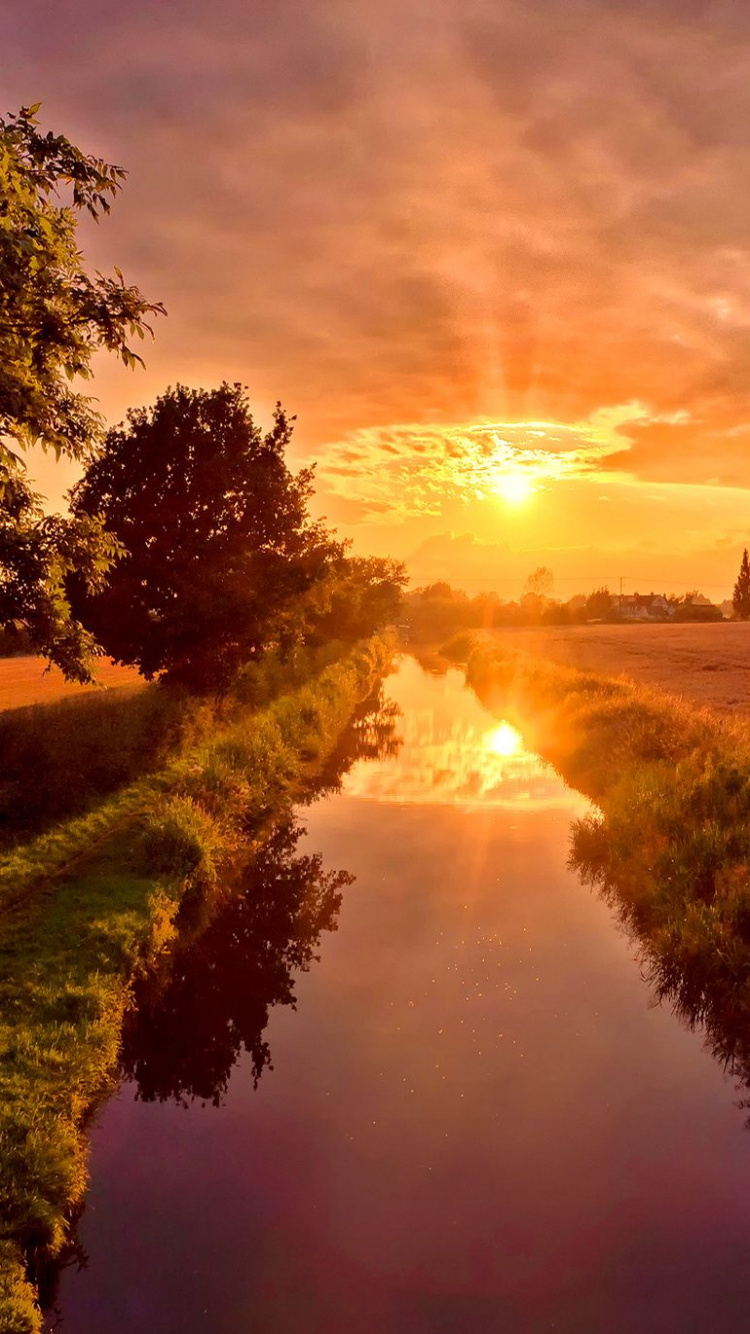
(412, 470)
(472, 212)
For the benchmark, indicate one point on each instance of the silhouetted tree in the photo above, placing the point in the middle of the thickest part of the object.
(53, 317)
(599, 604)
(540, 583)
(359, 595)
(537, 593)
(741, 595)
(220, 545)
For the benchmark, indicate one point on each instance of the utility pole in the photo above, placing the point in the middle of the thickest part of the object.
(620, 591)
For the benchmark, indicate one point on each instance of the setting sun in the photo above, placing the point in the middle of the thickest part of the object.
(504, 740)
(514, 488)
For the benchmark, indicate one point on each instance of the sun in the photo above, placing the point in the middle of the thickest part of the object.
(514, 487)
(503, 741)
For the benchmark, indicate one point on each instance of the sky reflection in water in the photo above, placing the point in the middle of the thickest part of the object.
(474, 1122)
(453, 753)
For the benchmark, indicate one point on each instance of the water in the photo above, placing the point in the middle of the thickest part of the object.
(474, 1120)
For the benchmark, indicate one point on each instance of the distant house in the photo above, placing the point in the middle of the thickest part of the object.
(645, 607)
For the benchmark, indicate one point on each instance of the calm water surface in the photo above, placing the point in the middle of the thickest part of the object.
(474, 1120)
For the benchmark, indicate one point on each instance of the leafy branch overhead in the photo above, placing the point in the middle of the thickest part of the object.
(53, 318)
(38, 554)
(53, 314)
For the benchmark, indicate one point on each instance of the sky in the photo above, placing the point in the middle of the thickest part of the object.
(494, 254)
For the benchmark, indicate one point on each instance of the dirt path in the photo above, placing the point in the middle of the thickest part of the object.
(706, 663)
(24, 681)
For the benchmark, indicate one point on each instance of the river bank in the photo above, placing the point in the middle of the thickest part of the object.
(89, 903)
(669, 845)
(465, 1114)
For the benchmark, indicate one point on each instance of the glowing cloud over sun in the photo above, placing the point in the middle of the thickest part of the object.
(412, 470)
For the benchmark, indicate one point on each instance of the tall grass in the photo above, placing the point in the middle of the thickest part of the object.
(90, 904)
(62, 759)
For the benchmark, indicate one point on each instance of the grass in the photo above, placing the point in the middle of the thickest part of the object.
(61, 759)
(87, 905)
(669, 845)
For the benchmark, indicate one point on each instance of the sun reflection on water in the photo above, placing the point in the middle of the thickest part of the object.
(454, 753)
(503, 740)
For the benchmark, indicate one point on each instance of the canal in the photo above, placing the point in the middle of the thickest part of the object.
(435, 1098)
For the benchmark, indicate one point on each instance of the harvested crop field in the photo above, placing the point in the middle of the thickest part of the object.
(709, 664)
(25, 681)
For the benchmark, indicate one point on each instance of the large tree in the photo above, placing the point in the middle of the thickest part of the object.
(221, 549)
(53, 317)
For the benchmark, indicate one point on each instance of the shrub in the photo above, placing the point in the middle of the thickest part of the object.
(180, 839)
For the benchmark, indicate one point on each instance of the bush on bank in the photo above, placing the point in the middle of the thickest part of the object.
(88, 908)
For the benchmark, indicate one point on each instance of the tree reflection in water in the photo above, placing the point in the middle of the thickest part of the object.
(189, 1026)
(184, 1037)
(370, 735)
(701, 972)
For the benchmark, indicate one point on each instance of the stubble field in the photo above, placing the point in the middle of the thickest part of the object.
(708, 664)
(24, 681)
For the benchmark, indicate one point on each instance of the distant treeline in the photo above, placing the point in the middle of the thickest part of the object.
(440, 610)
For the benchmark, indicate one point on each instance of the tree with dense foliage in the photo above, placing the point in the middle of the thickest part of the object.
(359, 595)
(741, 595)
(53, 318)
(537, 593)
(600, 604)
(220, 545)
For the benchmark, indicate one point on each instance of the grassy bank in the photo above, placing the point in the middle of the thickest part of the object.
(86, 905)
(669, 846)
(595, 729)
(61, 759)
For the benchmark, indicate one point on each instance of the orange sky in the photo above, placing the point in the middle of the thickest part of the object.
(461, 239)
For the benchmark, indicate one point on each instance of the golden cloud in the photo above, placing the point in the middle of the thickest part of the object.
(413, 470)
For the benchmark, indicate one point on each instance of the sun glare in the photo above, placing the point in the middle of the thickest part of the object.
(504, 741)
(514, 487)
